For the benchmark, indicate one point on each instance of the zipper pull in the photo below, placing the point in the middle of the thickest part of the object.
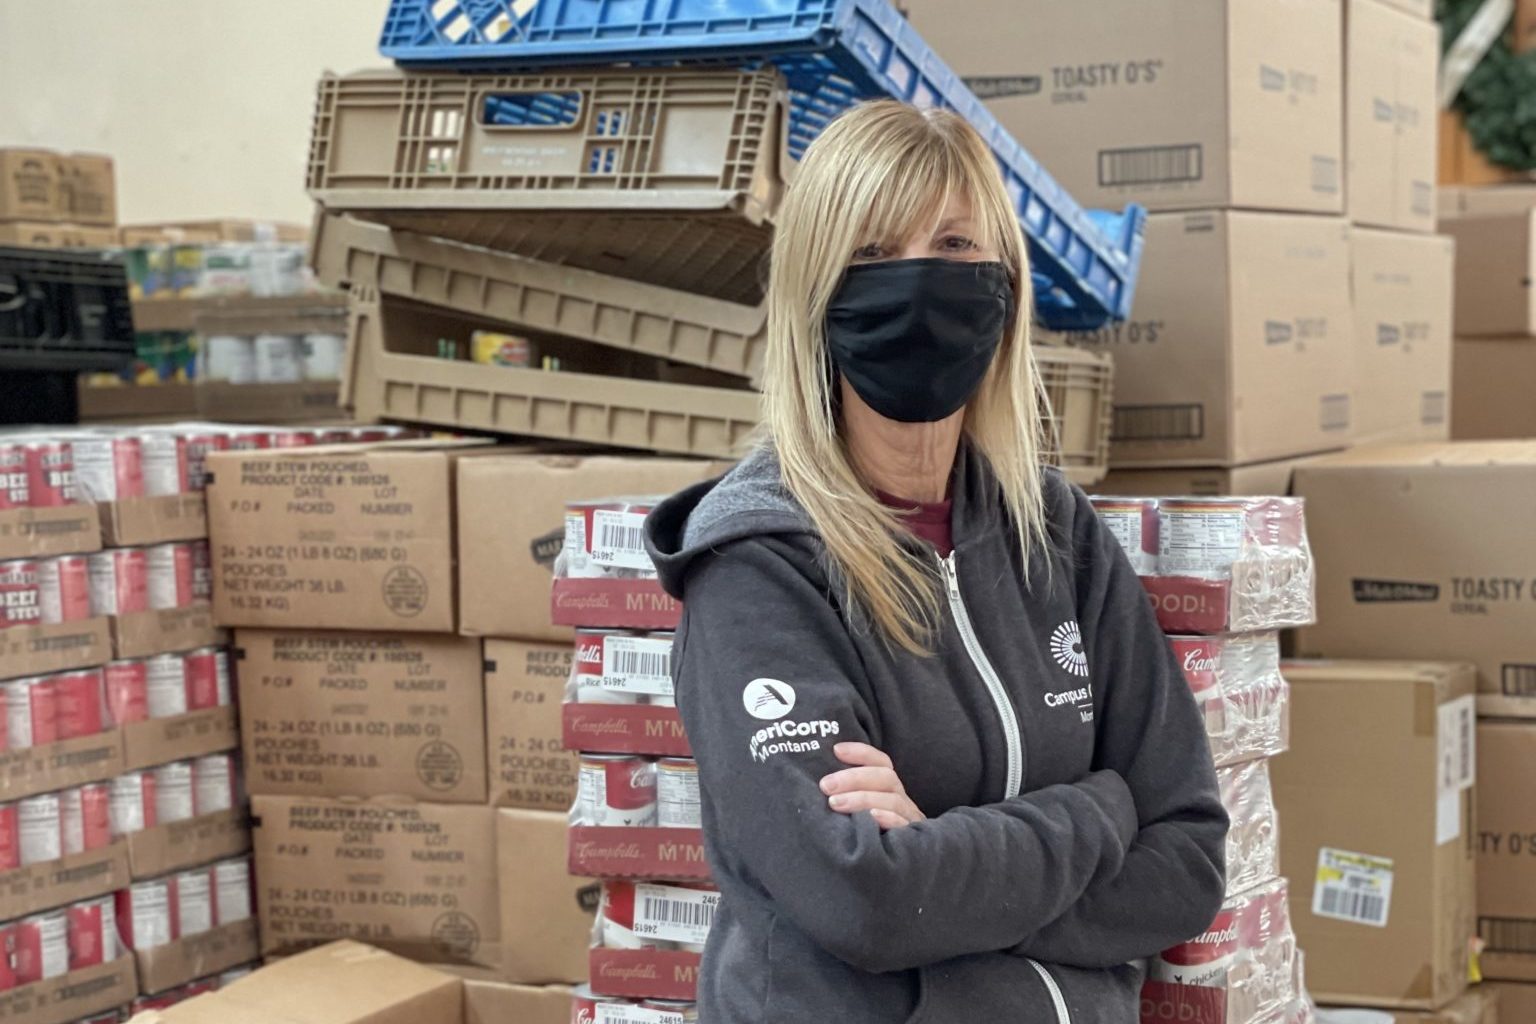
(951, 575)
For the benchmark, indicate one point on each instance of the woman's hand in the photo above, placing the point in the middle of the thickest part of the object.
(870, 785)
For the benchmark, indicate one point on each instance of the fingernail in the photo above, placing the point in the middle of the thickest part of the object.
(826, 784)
(839, 801)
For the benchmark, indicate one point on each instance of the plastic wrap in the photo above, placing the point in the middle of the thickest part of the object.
(1240, 971)
(1253, 842)
(604, 578)
(621, 667)
(1245, 700)
(655, 915)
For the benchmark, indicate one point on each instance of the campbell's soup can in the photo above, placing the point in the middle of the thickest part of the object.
(616, 790)
(291, 438)
(92, 930)
(207, 675)
(41, 950)
(213, 784)
(1204, 960)
(169, 575)
(202, 572)
(199, 444)
(592, 656)
(677, 793)
(50, 473)
(119, 581)
(174, 799)
(64, 588)
(40, 823)
(194, 902)
(85, 818)
(133, 807)
(14, 492)
(232, 891)
(165, 463)
(606, 540)
(675, 1009)
(81, 704)
(618, 919)
(127, 686)
(584, 1004)
(20, 599)
(146, 914)
(10, 841)
(248, 439)
(31, 712)
(108, 467)
(1134, 523)
(167, 685)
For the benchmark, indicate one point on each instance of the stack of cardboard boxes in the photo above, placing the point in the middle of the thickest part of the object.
(54, 200)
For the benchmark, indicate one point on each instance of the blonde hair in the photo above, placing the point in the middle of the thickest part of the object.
(878, 173)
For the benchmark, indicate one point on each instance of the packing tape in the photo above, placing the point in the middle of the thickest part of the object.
(1472, 46)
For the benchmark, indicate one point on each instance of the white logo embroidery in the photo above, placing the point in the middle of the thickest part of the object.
(1067, 648)
(768, 699)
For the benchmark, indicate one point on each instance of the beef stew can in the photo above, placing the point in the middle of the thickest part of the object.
(20, 595)
(64, 588)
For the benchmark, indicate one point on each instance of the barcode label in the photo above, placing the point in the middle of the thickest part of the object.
(629, 1013)
(1151, 165)
(637, 664)
(1353, 887)
(1158, 423)
(1507, 934)
(618, 540)
(1432, 408)
(1333, 412)
(1457, 745)
(1518, 680)
(674, 914)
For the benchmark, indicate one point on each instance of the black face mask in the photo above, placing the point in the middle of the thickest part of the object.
(916, 337)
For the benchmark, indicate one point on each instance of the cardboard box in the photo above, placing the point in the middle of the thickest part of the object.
(1257, 480)
(89, 190)
(362, 714)
(60, 765)
(338, 537)
(1506, 882)
(29, 185)
(1242, 342)
(512, 526)
(1486, 201)
(40, 532)
(143, 634)
(137, 521)
(40, 650)
(1496, 258)
(1427, 551)
(530, 766)
(1491, 389)
(547, 912)
(198, 956)
(76, 237)
(1402, 290)
(410, 877)
(32, 234)
(84, 876)
(1392, 65)
(1479, 1005)
(1417, 8)
(73, 996)
(490, 1003)
(1175, 106)
(186, 844)
(162, 740)
(1396, 797)
(1516, 1000)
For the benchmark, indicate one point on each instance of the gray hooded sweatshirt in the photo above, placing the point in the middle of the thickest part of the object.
(1074, 822)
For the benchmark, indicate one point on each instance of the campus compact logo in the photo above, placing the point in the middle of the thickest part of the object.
(768, 699)
(1067, 648)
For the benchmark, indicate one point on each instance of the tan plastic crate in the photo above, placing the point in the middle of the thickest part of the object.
(1080, 387)
(667, 176)
(531, 295)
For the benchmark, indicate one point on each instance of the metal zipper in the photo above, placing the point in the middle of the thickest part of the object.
(989, 676)
(1063, 1015)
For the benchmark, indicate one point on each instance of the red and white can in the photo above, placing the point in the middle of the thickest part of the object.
(584, 1004)
(108, 467)
(616, 790)
(127, 686)
(1134, 522)
(81, 702)
(7, 956)
(85, 818)
(169, 572)
(10, 843)
(207, 672)
(20, 599)
(248, 439)
(200, 442)
(618, 919)
(232, 901)
(202, 572)
(146, 914)
(92, 931)
(167, 685)
(13, 475)
(64, 588)
(619, 667)
(165, 463)
(606, 540)
(41, 950)
(31, 712)
(213, 784)
(50, 473)
(194, 902)
(292, 438)
(1205, 536)
(173, 792)
(40, 824)
(119, 581)
(133, 804)
(677, 793)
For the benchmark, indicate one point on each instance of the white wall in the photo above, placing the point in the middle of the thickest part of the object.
(204, 104)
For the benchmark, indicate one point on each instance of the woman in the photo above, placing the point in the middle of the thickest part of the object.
(951, 769)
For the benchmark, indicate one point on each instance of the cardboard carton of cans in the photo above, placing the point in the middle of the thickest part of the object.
(58, 848)
(179, 814)
(57, 733)
(604, 577)
(619, 695)
(64, 964)
(47, 623)
(188, 925)
(1243, 697)
(173, 706)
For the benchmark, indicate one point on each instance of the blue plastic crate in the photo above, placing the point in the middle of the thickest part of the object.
(834, 53)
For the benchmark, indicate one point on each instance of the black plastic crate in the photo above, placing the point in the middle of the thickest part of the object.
(63, 310)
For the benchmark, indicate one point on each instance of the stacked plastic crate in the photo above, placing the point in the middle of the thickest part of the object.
(1225, 575)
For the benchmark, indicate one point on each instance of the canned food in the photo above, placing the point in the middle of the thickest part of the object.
(20, 598)
(585, 1003)
(676, 914)
(248, 439)
(7, 956)
(92, 932)
(232, 891)
(133, 804)
(168, 570)
(10, 845)
(292, 438)
(13, 480)
(85, 818)
(166, 676)
(213, 784)
(119, 581)
(64, 588)
(207, 678)
(202, 572)
(31, 712)
(127, 686)
(108, 467)
(81, 704)
(676, 1011)
(194, 902)
(144, 914)
(165, 463)
(677, 793)
(616, 790)
(616, 667)
(606, 540)
(1134, 523)
(199, 443)
(334, 435)
(1205, 536)
(173, 792)
(41, 948)
(41, 828)
(618, 919)
(50, 473)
